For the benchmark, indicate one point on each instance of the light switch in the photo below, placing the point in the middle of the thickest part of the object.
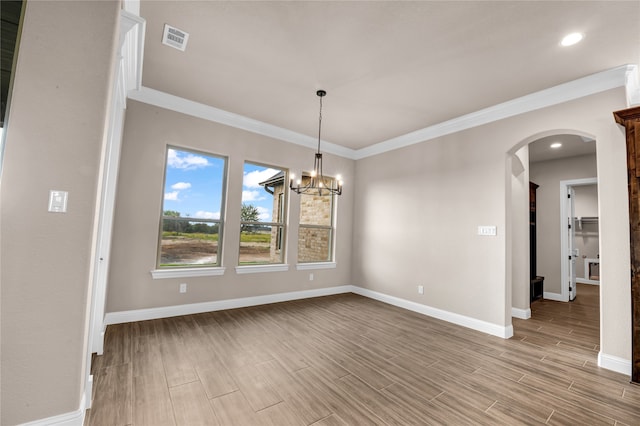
(487, 230)
(58, 201)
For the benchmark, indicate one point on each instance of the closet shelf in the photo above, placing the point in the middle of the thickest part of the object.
(584, 220)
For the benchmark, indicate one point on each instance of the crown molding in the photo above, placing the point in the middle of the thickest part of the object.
(132, 30)
(589, 85)
(206, 112)
(622, 76)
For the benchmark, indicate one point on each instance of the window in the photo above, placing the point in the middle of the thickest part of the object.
(191, 225)
(263, 215)
(316, 232)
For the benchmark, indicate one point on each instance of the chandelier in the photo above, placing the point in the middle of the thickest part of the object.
(315, 183)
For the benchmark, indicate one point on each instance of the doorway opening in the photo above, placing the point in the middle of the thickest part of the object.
(564, 166)
(580, 253)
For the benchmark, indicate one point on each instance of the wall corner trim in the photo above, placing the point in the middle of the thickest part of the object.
(614, 363)
(521, 313)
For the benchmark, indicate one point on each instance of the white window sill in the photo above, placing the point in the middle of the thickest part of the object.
(316, 265)
(255, 269)
(159, 274)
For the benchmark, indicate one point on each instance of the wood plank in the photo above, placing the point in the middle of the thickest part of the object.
(233, 409)
(304, 403)
(152, 405)
(191, 406)
(281, 414)
(112, 401)
(345, 359)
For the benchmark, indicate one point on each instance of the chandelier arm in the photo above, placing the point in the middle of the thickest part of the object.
(317, 184)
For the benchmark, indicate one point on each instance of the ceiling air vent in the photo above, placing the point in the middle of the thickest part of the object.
(174, 37)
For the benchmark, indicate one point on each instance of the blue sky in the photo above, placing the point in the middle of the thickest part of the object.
(194, 181)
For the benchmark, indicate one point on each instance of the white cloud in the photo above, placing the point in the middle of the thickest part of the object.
(172, 196)
(207, 215)
(263, 213)
(185, 161)
(181, 185)
(252, 196)
(252, 179)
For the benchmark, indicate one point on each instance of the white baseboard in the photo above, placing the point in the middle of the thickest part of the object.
(473, 323)
(521, 313)
(74, 418)
(218, 305)
(554, 296)
(617, 364)
(585, 281)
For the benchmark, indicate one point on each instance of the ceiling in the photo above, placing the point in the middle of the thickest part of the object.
(389, 68)
(572, 146)
(9, 21)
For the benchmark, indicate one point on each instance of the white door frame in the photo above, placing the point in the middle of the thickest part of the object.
(564, 238)
(128, 76)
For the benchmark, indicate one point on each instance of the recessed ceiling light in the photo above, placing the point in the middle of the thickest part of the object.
(571, 39)
(555, 145)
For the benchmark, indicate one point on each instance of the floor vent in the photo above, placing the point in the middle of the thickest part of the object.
(174, 37)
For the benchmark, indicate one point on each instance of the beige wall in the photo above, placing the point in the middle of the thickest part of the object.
(418, 209)
(53, 141)
(548, 175)
(147, 131)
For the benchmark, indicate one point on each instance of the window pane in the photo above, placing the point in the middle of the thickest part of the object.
(188, 243)
(193, 200)
(262, 215)
(314, 244)
(315, 234)
(316, 210)
(260, 245)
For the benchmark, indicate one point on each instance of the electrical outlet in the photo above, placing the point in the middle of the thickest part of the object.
(311, 276)
(183, 288)
(420, 289)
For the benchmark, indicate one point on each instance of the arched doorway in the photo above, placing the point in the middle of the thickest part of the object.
(553, 170)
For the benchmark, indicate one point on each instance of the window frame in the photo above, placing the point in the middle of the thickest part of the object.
(281, 227)
(193, 270)
(332, 228)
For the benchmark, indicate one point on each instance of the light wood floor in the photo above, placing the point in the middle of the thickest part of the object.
(348, 360)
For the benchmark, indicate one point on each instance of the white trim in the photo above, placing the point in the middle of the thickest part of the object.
(614, 363)
(475, 324)
(622, 76)
(316, 265)
(255, 269)
(632, 86)
(521, 313)
(132, 32)
(589, 85)
(73, 418)
(218, 305)
(555, 296)
(160, 274)
(584, 281)
(206, 112)
(587, 261)
(564, 243)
